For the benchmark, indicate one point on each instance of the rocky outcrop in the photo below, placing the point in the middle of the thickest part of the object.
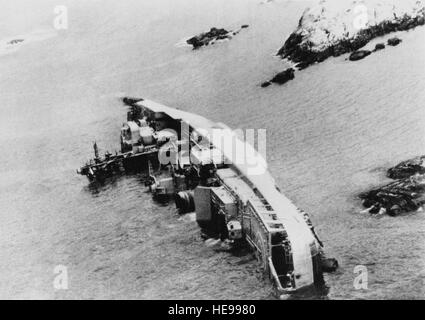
(266, 84)
(358, 55)
(407, 168)
(15, 41)
(405, 194)
(335, 27)
(394, 41)
(280, 78)
(284, 76)
(206, 38)
(379, 46)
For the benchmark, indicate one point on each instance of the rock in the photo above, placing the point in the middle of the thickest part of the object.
(395, 210)
(196, 42)
(244, 26)
(284, 76)
(379, 46)
(407, 168)
(397, 197)
(205, 38)
(405, 194)
(394, 41)
(360, 54)
(265, 84)
(16, 41)
(327, 29)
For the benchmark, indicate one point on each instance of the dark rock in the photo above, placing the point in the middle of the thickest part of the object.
(400, 196)
(131, 101)
(407, 168)
(284, 76)
(265, 84)
(379, 46)
(341, 48)
(205, 38)
(291, 47)
(405, 194)
(222, 37)
(374, 209)
(394, 41)
(196, 42)
(359, 42)
(16, 41)
(358, 55)
(395, 210)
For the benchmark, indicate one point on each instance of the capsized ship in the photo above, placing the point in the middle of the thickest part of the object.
(235, 201)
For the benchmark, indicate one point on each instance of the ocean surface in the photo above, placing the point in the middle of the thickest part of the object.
(331, 133)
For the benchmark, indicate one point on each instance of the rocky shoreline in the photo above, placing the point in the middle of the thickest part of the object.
(405, 194)
(324, 33)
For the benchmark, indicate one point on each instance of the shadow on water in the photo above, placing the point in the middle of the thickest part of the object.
(100, 185)
(316, 292)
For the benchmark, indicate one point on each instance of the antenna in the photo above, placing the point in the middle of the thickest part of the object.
(96, 150)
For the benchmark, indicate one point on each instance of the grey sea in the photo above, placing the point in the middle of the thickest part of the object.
(331, 132)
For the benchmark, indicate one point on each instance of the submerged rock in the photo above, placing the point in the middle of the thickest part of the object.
(394, 41)
(327, 29)
(360, 54)
(284, 76)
